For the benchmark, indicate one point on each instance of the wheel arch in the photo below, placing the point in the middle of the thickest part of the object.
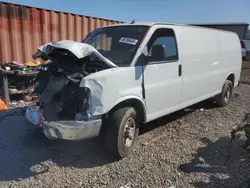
(231, 77)
(132, 101)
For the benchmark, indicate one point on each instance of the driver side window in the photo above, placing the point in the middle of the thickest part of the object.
(162, 46)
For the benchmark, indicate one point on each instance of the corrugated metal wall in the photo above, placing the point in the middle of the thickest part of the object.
(23, 29)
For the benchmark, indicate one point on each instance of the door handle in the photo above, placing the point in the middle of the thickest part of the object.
(180, 70)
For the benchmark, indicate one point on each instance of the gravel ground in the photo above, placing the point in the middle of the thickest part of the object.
(246, 64)
(190, 148)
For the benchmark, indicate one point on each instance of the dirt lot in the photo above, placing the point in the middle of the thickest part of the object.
(190, 148)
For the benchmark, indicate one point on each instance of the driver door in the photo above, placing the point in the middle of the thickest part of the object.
(162, 75)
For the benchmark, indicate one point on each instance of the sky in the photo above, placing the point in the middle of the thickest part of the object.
(172, 11)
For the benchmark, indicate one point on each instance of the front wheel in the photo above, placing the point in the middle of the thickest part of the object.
(225, 96)
(122, 131)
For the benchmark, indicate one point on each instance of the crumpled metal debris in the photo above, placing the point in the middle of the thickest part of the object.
(244, 126)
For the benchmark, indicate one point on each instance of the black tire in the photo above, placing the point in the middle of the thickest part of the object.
(225, 96)
(115, 132)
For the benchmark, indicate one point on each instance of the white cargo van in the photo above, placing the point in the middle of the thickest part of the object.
(124, 75)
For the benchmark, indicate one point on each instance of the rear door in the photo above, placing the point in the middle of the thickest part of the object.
(162, 75)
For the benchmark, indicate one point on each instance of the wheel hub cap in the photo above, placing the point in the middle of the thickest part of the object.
(129, 132)
(227, 94)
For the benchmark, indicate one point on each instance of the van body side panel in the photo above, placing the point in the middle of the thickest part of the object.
(230, 57)
(209, 57)
(200, 53)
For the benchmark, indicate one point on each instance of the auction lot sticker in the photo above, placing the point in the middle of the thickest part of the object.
(128, 40)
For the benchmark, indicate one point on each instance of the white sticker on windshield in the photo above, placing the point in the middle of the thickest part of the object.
(128, 40)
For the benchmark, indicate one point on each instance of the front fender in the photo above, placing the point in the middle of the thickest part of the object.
(123, 99)
(127, 98)
(113, 86)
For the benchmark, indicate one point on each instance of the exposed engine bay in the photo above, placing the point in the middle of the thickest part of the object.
(57, 85)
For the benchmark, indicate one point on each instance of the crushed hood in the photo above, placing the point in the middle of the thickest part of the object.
(79, 49)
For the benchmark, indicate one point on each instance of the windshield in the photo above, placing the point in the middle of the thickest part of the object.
(119, 43)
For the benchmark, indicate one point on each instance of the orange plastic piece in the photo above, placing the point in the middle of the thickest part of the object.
(3, 105)
(32, 63)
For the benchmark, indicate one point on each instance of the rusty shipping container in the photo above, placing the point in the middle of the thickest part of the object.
(23, 29)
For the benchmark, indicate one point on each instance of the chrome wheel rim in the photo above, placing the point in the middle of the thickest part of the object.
(129, 132)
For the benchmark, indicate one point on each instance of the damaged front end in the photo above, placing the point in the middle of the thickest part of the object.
(63, 108)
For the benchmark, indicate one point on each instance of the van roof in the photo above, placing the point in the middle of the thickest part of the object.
(160, 23)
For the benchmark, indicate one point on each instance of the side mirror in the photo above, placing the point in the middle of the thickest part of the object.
(158, 53)
(142, 60)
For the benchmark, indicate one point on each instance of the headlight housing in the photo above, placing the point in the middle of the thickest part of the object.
(85, 111)
(87, 104)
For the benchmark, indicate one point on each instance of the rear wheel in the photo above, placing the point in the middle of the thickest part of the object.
(122, 131)
(225, 96)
